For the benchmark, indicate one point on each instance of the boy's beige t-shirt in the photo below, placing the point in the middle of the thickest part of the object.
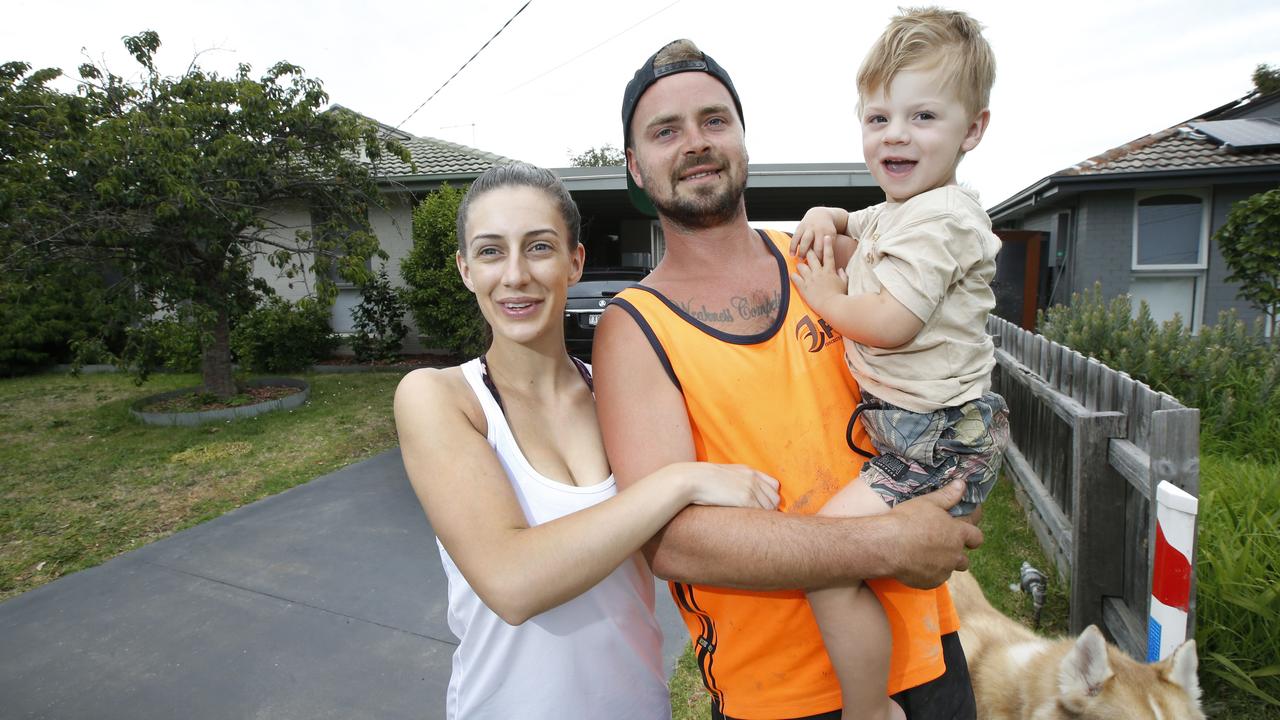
(934, 253)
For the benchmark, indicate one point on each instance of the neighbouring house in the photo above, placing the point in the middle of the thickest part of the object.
(1140, 218)
(614, 233)
(435, 162)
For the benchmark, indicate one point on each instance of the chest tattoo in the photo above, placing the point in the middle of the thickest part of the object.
(740, 314)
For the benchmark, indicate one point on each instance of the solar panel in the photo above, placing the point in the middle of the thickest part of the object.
(1247, 133)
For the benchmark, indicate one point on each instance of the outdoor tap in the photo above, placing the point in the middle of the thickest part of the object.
(1034, 583)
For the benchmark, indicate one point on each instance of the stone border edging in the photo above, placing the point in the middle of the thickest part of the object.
(190, 419)
(95, 369)
(361, 368)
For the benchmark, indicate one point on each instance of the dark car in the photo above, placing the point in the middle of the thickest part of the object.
(587, 299)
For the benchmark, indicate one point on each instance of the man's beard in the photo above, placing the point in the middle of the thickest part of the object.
(698, 211)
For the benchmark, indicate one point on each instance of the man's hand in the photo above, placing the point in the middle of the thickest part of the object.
(929, 544)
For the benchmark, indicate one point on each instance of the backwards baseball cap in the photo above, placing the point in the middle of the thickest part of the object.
(650, 73)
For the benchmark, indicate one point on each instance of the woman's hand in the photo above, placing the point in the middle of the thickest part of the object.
(727, 485)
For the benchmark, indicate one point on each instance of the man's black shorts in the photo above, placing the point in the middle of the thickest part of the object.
(949, 697)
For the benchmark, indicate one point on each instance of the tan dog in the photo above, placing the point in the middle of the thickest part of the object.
(1018, 675)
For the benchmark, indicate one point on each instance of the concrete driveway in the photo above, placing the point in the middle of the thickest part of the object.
(325, 601)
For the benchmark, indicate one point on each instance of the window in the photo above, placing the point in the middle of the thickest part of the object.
(1166, 296)
(1170, 254)
(1170, 232)
(344, 304)
(326, 225)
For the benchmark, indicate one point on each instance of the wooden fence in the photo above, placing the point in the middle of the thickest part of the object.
(1087, 449)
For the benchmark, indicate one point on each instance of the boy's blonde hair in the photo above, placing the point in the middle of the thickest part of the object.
(928, 38)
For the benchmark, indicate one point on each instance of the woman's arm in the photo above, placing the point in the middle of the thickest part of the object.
(519, 571)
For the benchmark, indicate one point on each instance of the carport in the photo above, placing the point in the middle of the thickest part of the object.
(617, 234)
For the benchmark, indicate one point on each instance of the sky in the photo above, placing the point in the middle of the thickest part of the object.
(1073, 79)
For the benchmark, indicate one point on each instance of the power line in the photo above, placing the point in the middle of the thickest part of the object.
(465, 64)
(594, 47)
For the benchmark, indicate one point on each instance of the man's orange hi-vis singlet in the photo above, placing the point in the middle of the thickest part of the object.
(778, 402)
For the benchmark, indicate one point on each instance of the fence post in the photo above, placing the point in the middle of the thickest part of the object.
(1174, 451)
(1097, 527)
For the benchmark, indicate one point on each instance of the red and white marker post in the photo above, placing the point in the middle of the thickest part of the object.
(1172, 570)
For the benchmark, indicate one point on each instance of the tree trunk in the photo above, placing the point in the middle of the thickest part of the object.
(215, 362)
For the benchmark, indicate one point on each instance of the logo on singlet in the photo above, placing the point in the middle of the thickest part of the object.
(818, 336)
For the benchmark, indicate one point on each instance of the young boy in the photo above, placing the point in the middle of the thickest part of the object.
(913, 309)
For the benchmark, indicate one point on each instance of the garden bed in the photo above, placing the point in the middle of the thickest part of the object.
(193, 407)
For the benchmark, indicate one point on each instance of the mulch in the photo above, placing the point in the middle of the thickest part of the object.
(190, 402)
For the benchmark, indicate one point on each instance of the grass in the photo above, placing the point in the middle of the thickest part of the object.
(1009, 541)
(1238, 597)
(81, 481)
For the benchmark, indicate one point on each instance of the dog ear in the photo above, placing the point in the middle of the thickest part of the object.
(1180, 669)
(1084, 670)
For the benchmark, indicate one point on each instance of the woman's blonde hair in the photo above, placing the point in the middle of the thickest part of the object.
(928, 38)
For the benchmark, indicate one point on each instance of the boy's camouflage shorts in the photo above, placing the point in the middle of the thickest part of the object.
(921, 452)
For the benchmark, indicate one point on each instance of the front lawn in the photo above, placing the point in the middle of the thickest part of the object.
(81, 481)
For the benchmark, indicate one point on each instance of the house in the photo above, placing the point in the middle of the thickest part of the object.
(614, 233)
(1140, 218)
(403, 185)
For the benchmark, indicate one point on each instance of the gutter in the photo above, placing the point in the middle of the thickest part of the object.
(1058, 185)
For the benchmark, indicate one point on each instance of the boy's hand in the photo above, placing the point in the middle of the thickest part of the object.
(818, 278)
(816, 224)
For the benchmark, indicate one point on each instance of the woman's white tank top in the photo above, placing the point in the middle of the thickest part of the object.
(596, 656)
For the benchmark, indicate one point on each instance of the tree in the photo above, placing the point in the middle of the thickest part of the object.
(1266, 79)
(171, 180)
(1250, 243)
(45, 306)
(442, 306)
(604, 156)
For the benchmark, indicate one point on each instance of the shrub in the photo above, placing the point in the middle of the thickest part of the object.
(379, 321)
(441, 305)
(280, 336)
(1248, 244)
(171, 342)
(1227, 370)
(1238, 570)
(47, 312)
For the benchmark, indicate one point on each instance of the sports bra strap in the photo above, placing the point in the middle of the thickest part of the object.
(583, 370)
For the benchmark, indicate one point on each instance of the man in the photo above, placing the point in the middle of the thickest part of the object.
(717, 358)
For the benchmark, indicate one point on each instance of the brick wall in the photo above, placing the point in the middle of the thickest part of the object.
(1104, 242)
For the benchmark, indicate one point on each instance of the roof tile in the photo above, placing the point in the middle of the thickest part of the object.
(438, 157)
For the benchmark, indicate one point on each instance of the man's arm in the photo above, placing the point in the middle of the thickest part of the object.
(646, 427)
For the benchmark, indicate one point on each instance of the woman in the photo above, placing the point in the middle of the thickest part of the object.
(552, 605)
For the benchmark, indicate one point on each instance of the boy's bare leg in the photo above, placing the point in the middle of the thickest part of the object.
(854, 627)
